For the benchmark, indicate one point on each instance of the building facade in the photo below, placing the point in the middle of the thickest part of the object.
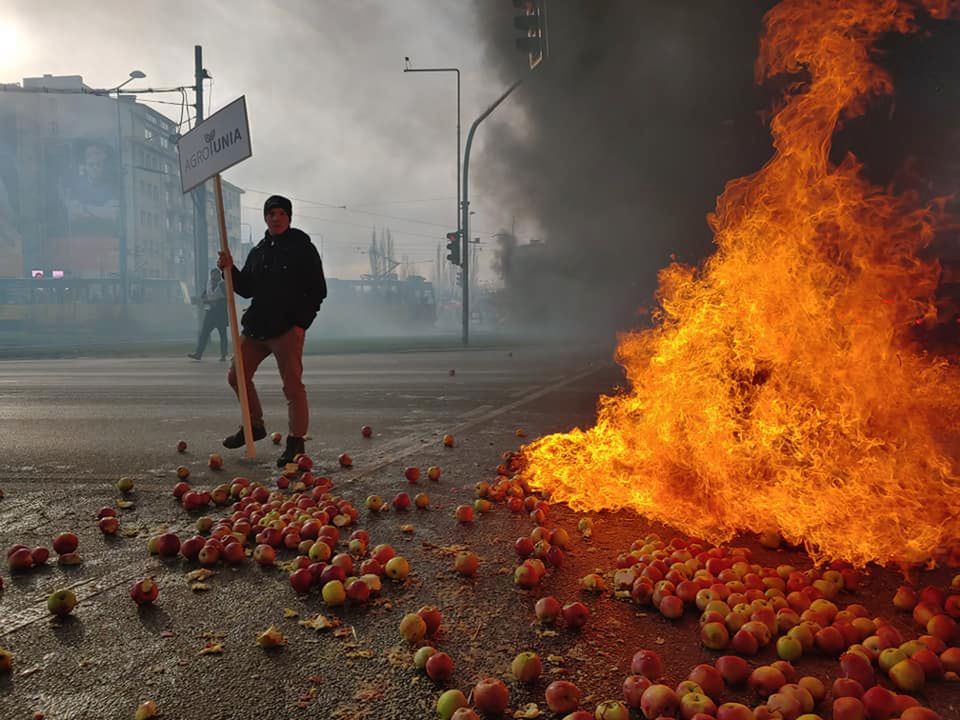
(80, 172)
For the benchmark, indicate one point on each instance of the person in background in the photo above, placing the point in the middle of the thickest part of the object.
(214, 317)
(283, 275)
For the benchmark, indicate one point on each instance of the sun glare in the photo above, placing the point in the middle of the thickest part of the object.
(9, 43)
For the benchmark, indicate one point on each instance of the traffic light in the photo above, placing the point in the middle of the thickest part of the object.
(453, 245)
(532, 22)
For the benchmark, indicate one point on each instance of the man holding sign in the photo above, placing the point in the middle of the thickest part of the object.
(283, 275)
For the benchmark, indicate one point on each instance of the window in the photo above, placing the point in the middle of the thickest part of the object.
(166, 167)
(147, 133)
(164, 143)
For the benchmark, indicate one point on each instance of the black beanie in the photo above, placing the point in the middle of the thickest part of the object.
(278, 201)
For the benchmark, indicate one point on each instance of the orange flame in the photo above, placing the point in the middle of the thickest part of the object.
(779, 389)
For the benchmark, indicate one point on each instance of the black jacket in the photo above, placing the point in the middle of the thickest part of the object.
(284, 276)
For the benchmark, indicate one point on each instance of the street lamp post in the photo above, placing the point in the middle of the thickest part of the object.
(463, 236)
(122, 240)
(466, 209)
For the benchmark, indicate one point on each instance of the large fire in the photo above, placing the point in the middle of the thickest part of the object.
(779, 389)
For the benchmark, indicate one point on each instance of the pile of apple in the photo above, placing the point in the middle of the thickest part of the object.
(308, 522)
(20, 557)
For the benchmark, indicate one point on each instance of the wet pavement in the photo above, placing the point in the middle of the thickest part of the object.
(71, 428)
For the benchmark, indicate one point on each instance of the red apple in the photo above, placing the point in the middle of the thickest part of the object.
(847, 687)
(264, 555)
(548, 609)
(144, 591)
(647, 663)
(168, 545)
(301, 580)
(659, 700)
(633, 688)
(856, 667)
(366, 431)
(734, 711)
(920, 713)
(412, 474)
(439, 666)
(563, 696)
(709, 679)
(880, 703)
(432, 617)
(233, 553)
(345, 460)
(744, 642)
(575, 615)
(401, 501)
(65, 543)
(40, 555)
(766, 680)
(358, 591)
(848, 708)
(191, 547)
(181, 446)
(734, 669)
(20, 559)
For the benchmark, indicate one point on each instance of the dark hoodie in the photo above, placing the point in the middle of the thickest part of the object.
(284, 276)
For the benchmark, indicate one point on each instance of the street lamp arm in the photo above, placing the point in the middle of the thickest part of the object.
(465, 224)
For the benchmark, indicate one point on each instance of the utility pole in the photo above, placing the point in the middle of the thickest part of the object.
(201, 241)
(465, 224)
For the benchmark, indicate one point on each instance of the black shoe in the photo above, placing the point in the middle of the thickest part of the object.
(237, 440)
(193, 356)
(294, 448)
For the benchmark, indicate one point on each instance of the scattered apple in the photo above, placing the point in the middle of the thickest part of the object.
(6, 661)
(397, 568)
(575, 615)
(125, 484)
(659, 700)
(449, 702)
(548, 609)
(144, 592)
(181, 446)
(65, 543)
(433, 473)
(183, 472)
(401, 501)
(432, 617)
(526, 667)
(215, 462)
(439, 666)
(412, 628)
(61, 602)
(490, 696)
(466, 563)
(345, 460)
(333, 592)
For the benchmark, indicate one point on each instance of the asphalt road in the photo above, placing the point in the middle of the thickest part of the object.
(71, 428)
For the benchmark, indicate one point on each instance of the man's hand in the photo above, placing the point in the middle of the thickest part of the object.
(224, 261)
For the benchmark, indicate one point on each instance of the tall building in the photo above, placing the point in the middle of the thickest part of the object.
(81, 170)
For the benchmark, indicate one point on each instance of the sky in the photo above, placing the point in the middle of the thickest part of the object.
(333, 118)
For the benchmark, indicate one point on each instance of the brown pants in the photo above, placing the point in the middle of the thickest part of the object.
(288, 350)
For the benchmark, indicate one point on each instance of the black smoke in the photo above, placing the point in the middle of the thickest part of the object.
(642, 112)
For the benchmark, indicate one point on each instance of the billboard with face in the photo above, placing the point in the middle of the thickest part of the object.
(59, 184)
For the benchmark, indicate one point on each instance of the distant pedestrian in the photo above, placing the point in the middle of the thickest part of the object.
(214, 300)
(283, 275)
